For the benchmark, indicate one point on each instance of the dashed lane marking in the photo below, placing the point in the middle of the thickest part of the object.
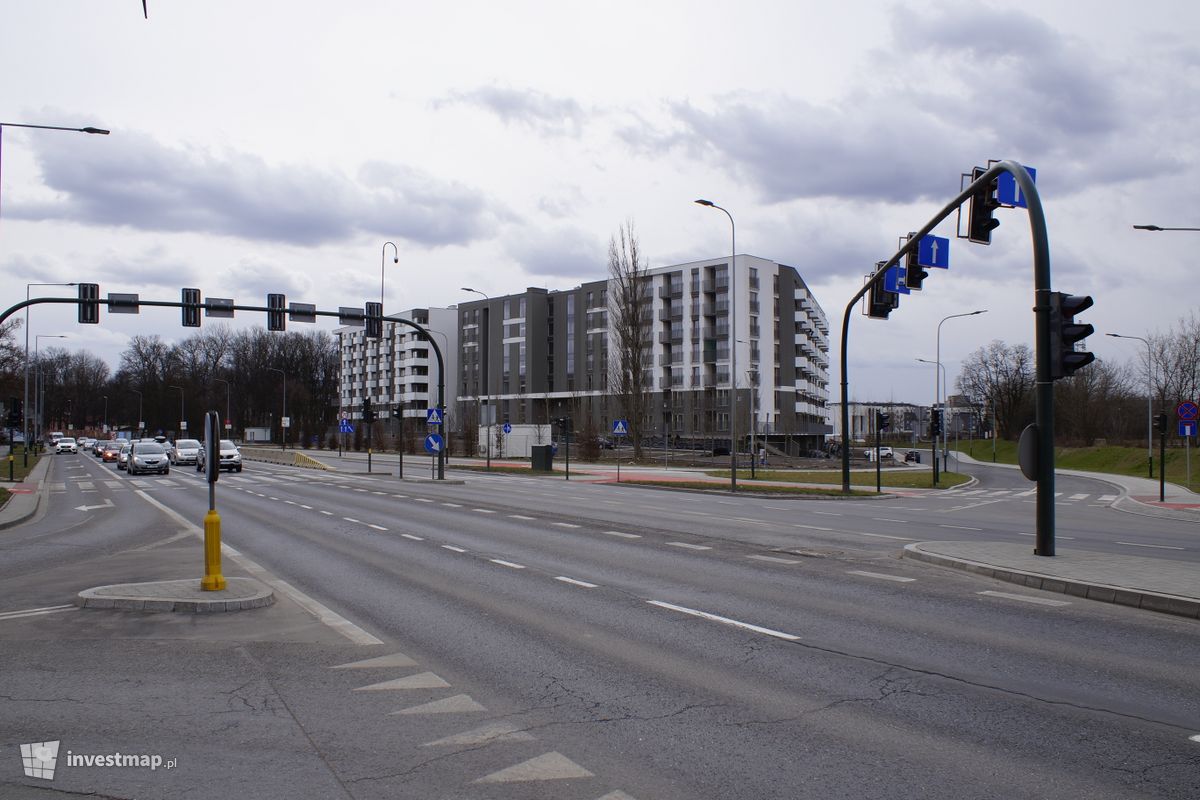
(521, 516)
(774, 559)
(622, 535)
(376, 527)
(414, 538)
(504, 563)
(1155, 546)
(35, 612)
(689, 546)
(880, 575)
(1036, 600)
(327, 513)
(565, 524)
(574, 582)
(960, 527)
(725, 620)
(484, 510)
(453, 548)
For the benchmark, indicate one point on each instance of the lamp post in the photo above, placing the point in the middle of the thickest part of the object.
(283, 420)
(27, 287)
(1149, 394)
(939, 392)
(228, 418)
(104, 422)
(139, 425)
(487, 364)
(379, 361)
(732, 345)
(182, 416)
(942, 367)
(39, 399)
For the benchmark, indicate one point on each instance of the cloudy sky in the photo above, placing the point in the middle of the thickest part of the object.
(275, 146)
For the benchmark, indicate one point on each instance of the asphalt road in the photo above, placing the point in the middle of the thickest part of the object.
(672, 645)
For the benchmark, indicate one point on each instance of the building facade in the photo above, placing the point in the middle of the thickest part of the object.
(538, 355)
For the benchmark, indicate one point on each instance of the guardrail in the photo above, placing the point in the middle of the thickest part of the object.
(291, 458)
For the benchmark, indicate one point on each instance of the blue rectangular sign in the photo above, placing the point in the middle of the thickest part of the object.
(1007, 191)
(893, 280)
(934, 251)
(1187, 428)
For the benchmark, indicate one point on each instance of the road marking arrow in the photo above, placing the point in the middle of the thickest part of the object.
(107, 504)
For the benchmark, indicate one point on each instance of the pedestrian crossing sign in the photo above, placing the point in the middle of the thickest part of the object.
(433, 417)
(620, 427)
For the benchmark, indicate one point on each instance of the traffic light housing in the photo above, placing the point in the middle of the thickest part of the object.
(881, 302)
(276, 321)
(1160, 423)
(89, 309)
(981, 207)
(883, 421)
(935, 422)
(1065, 332)
(914, 273)
(368, 413)
(374, 320)
(191, 316)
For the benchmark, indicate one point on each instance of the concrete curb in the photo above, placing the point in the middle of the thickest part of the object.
(21, 507)
(1105, 593)
(240, 594)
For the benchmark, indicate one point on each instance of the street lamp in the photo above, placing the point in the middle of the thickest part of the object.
(39, 399)
(1149, 397)
(139, 425)
(228, 418)
(1157, 228)
(939, 391)
(104, 422)
(283, 420)
(732, 345)
(487, 364)
(379, 346)
(25, 424)
(182, 416)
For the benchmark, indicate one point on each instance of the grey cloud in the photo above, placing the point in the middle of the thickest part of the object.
(547, 115)
(139, 183)
(558, 252)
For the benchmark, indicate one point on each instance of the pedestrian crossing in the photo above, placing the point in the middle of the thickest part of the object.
(187, 479)
(1027, 493)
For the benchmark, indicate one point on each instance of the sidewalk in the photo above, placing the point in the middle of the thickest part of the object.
(25, 498)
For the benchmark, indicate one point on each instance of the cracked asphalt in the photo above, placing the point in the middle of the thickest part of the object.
(527, 610)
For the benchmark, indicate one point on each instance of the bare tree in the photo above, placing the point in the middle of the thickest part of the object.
(1003, 375)
(630, 305)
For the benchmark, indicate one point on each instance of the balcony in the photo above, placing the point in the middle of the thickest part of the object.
(673, 290)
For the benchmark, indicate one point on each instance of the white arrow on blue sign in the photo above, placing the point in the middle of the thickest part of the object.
(620, 427)
(507, 428)
(433, 417)
(1008, 193)
(933, 251)
(433, 443)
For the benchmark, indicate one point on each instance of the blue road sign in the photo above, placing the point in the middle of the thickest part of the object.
(1188, 410)
(433, 417)
(620, 427)
(507, 428)
(934, 251)
(893, 280)
(345, 427)
(433, 443)
(1187, 427)
(1008, 193)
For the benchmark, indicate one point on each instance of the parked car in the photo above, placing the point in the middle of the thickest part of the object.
(884, 452)
(230, 457)
(913, 456)
(123, 455)
(66, 445)
(184, 451)
(147, 457)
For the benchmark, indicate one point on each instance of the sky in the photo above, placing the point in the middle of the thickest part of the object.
(276, 146)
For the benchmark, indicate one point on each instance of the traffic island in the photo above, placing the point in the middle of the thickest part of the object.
(239, 594)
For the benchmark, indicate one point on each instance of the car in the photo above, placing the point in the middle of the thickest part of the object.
(884, 452)
(85, 444)
(184, 451)
(123, 454)
(148, 457)
(108, 450)
(913, 456)
(66, 445)
(55, 436)
(230, 457)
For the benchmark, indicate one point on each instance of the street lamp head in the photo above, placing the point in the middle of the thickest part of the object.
(1146, 228)
(90, 129)
(703, 202)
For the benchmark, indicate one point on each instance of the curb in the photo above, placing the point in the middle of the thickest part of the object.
(37, 474)
(179, 595)
(1118, 595)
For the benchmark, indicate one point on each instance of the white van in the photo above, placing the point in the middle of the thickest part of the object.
(55, 436)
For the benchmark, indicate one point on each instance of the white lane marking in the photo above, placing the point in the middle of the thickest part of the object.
(504, 563)
(452, 547)
(325, 614)
(688, 546)
(881, 536)
(401, 496)
(1026, 494)
(880, 575)
(484, 510)
(306, 508)
(574, 582)
(161, 542)
(827, 513)
(423, 500)
(350, 519)
(452, 505)
(1078, 497)
(887, 519)
(778, 508)
(1037, 600)
(521, 516)
(1155, 546)
(1056, 536)
(812, 527)
(960, 527)
(272, 498)
(34, 612)
(414, 538)
(378, 492)
(291, 502)
(376, 527)
(1195, 738)
(752, 521)
(775, 560)
(727, 503)
(724, 620)
(360, 490)
(565, 524)
(622, 535)
(1108, 497)
(327, 513)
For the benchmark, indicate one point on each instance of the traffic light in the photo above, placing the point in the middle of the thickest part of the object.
(374, 320)
(914, 273)
(1065, 332)
(1160, 424)
(935, 422)
(880, 301)
(191, 316)
(15, 412)
(981, 207)
(89, 310)
(883, 421)
(368, 414)
(564, 424)
(275, 319)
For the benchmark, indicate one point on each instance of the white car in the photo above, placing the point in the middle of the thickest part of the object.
(184, 451)
(229, 456)
(884, 452)
(66, 445)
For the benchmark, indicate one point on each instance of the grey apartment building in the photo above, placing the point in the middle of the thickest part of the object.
(539, 355)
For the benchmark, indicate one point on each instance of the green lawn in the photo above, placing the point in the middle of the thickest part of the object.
(19, 471)
(903, 479)
(748, 488)
(1113, 459)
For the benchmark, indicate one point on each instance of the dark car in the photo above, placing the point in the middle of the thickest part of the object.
(913, 456)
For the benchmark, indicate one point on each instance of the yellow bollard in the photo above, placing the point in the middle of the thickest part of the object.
(213, 580)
